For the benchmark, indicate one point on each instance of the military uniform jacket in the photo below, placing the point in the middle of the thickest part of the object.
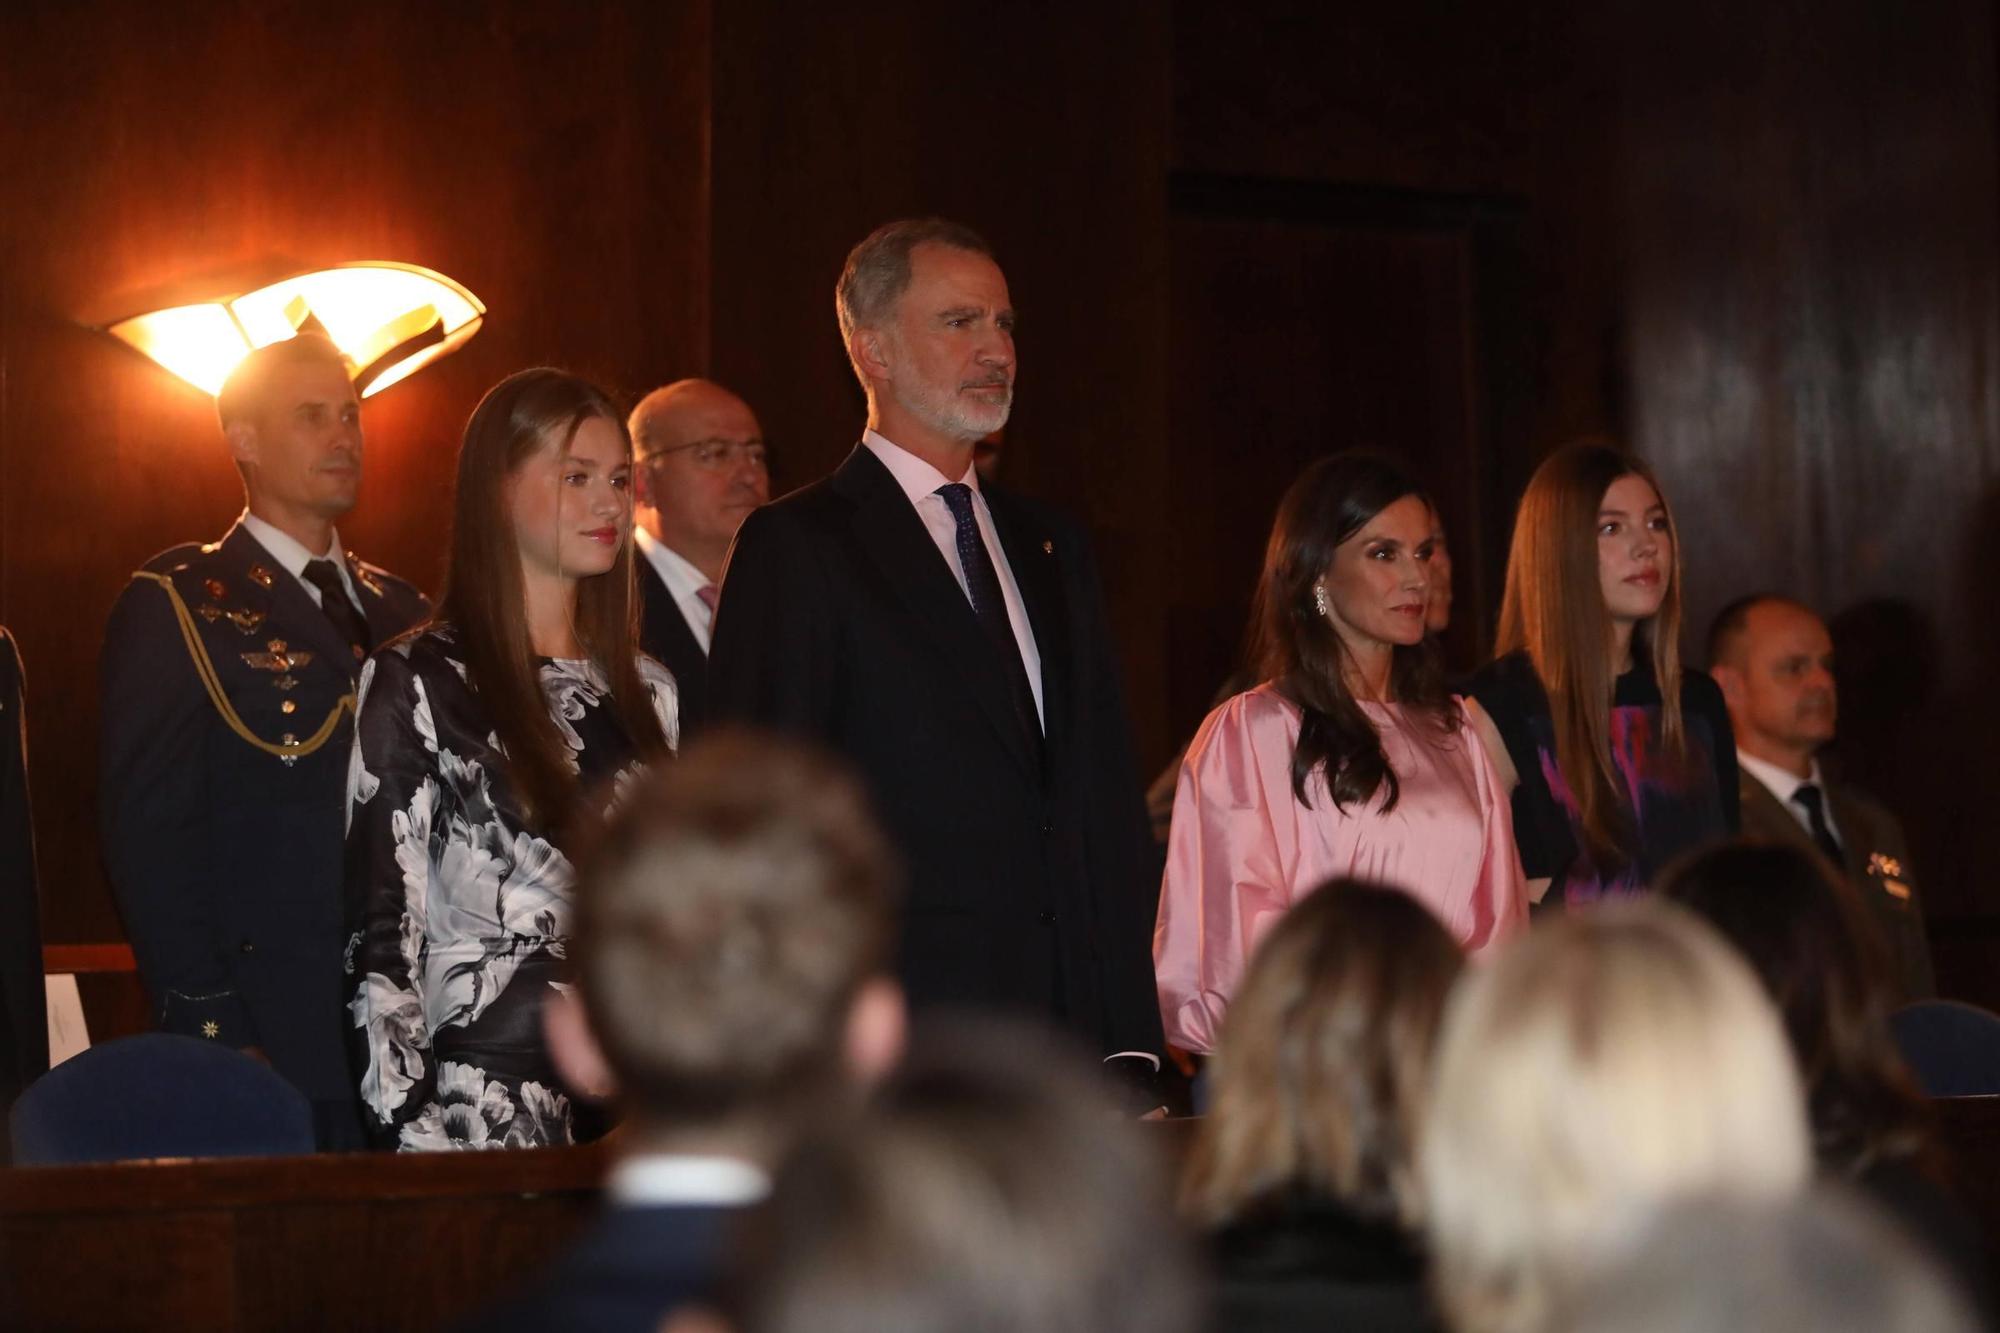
(227, 716)
(1877, 864)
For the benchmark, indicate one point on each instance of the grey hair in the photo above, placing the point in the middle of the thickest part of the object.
(877, 271)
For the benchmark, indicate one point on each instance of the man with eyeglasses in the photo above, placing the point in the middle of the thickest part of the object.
(701, 470)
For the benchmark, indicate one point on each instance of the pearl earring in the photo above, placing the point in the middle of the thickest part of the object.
(1319, 599)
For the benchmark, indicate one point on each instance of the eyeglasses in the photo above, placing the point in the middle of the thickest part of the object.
(720, 455)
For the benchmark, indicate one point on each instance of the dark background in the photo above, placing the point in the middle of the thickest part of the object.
(1758, 243)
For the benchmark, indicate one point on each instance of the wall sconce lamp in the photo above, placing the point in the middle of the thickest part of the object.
(389, 319)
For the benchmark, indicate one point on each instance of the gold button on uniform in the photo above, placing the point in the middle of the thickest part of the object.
(288, 708)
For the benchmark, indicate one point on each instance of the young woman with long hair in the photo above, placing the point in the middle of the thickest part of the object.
(1616, 756)
(1351, 759)
(480, 737)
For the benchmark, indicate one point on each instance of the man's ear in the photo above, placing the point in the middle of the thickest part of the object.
(870, 352)
(242, 438)
(642, 485)
(573, 1046)
(1731, 682)
(878, 1024)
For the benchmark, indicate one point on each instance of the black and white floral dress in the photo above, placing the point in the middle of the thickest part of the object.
(460, 909)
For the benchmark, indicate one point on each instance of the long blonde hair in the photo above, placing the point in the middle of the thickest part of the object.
(1553, 610)
(1324, 1062)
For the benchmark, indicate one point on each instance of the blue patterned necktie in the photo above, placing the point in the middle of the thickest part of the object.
(989, 604)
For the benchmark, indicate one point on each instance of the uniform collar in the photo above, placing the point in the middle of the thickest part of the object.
(1780, 782)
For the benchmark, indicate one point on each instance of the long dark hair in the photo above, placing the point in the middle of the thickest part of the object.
(1553, 611)
(1297, 649)
(484, 599)
(1809, 939)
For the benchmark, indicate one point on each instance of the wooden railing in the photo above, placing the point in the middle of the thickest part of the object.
(384, 1242)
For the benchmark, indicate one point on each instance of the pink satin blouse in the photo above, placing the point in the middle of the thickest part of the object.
(1242, 849)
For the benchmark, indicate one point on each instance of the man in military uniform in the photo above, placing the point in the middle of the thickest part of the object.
(1773, 659)
(228, 679)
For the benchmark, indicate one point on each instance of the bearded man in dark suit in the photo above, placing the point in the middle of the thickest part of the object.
(950, 640)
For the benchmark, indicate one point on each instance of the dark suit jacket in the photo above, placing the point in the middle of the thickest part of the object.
(1877, 862)
(664, 635)
(227, 858)
(630, 1267)
(24, 1020)
(1028, 879)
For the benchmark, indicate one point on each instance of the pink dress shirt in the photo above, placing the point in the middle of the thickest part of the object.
(1242, 849)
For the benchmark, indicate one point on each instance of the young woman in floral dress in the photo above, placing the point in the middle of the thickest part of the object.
(479, 738)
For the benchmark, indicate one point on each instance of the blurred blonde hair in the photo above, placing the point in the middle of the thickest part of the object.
(1324, 1064)
(1614, 1057)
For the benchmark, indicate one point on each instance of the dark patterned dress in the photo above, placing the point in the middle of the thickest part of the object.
(1677, 804)
(460, 908)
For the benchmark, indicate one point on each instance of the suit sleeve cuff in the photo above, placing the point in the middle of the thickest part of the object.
(218, 1016)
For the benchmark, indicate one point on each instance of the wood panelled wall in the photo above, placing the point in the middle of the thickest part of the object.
(1762, 247)
(1045, 128)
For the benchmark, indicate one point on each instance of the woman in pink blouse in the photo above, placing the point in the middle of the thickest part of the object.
(1351, 759)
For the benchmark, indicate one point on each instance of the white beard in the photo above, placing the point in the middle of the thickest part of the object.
(948, 411)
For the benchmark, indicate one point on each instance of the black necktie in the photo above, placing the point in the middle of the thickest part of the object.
(1809, 797)
(334, 601)
(989, 604)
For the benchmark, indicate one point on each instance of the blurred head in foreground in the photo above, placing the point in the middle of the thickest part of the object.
(1810, 940)
(1823, 1261)
(1613, 1058)
(1322, 1072)
(989, 1188)
(733, 922)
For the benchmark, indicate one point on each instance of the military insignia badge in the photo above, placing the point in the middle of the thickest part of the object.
(259, 576)
(214, 588)
(1888, 872)
(245, 620)
(278, 659)
(209, 611)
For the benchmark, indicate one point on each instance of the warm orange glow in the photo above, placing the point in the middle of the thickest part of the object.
(390, 319)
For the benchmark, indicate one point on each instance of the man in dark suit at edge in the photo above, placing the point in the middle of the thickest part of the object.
(701, 469)
(1773, 659)
(227, 684)
(950, 641)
